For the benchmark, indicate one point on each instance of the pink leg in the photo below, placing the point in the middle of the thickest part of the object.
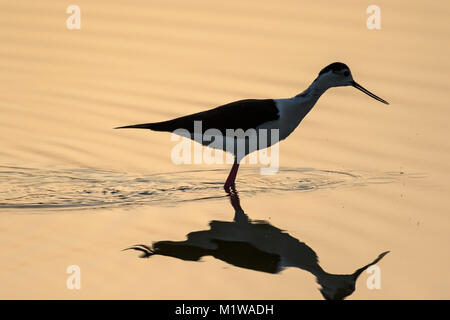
(232, 176)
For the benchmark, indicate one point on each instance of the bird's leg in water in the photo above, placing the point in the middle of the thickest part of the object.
(239, 215)
(232, 176)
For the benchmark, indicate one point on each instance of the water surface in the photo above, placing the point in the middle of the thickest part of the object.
(357, 178)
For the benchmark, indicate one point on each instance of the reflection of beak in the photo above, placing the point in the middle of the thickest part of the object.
(359, 271)
(370, 94)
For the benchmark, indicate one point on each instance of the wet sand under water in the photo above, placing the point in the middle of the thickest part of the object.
(357, 178)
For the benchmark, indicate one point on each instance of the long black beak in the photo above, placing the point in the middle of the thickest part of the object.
(370, 94)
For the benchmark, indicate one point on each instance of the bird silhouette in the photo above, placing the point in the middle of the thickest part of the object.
(255, 245)
(245, 126)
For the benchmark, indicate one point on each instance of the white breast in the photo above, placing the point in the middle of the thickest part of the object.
(292, 111)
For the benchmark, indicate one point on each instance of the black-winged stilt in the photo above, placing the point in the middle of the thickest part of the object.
(283, 115)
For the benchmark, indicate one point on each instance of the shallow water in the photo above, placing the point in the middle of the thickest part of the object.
(357, 178)
(31, 188)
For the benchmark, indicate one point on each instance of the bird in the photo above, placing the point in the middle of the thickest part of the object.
(257, 116)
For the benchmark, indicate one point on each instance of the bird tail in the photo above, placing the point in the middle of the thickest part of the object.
(151, 126)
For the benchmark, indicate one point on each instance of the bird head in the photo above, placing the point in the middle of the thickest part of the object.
(339, 286)
(338, 74)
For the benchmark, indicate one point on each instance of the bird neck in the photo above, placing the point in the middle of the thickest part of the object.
(314, 91)
(294, 110)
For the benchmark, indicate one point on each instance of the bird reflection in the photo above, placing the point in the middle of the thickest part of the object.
(255, 245)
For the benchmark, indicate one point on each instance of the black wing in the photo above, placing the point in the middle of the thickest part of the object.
(242, 114)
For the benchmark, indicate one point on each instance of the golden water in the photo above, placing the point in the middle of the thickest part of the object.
(357, 178)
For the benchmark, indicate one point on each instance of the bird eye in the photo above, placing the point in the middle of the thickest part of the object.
(346, 73)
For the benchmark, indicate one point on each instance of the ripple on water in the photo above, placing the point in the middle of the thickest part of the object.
(33, 188)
